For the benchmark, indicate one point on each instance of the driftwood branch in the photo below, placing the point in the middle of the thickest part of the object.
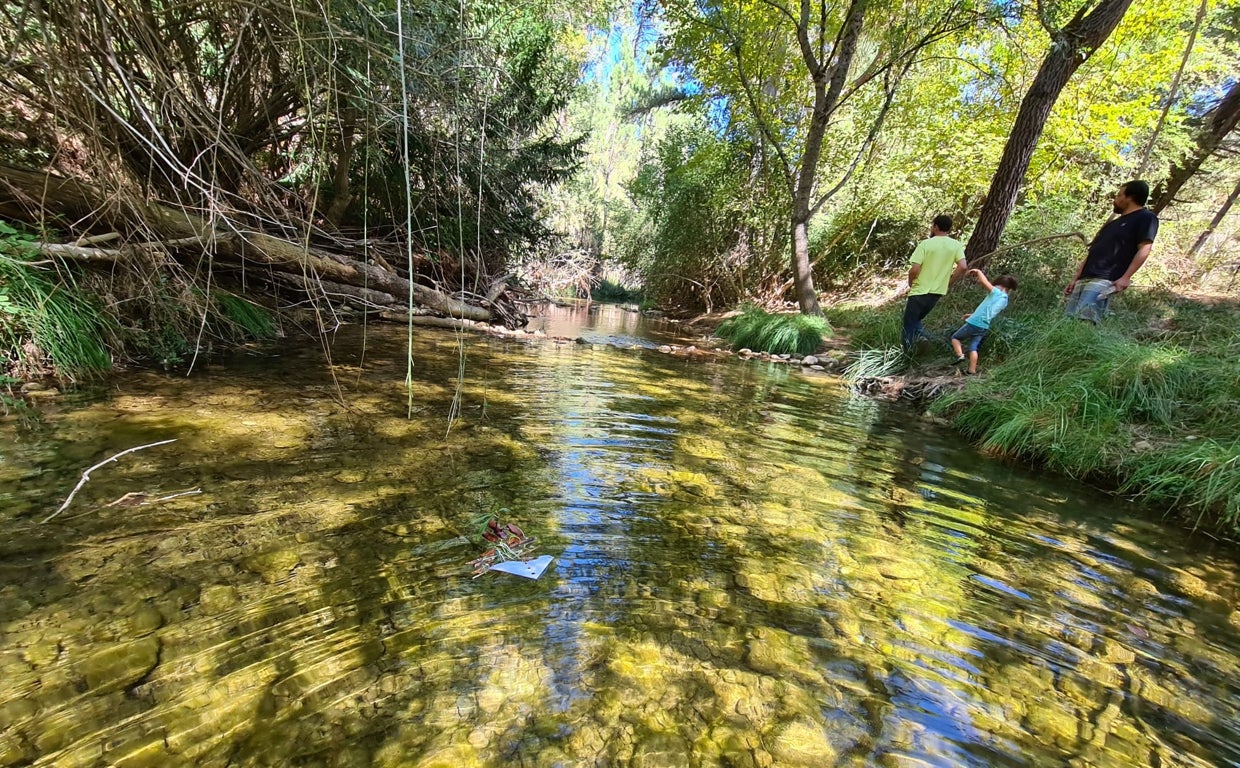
(366, 296)
(431, 321)
(86, 474)
(98, 239)
(985, 258)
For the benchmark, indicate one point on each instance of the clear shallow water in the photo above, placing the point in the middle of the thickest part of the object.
(752, 568)
(617, 324)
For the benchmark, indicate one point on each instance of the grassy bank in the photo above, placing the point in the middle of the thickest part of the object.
(73, 324)
(1148, 403)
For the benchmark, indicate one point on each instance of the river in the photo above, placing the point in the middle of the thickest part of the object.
(752, 567)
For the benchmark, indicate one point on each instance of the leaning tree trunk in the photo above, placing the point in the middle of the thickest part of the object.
(1219, 122)
(1070, 48)
(1218, 219)
(828, 77)
(802, 271)
(1174, 91)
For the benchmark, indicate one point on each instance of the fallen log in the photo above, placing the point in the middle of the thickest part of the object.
(39, 197)
(366, 296)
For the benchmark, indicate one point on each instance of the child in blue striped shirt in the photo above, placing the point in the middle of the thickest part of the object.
(977, 323)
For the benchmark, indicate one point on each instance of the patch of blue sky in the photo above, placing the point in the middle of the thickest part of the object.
(609, 44)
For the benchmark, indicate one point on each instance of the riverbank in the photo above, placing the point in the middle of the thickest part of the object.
(1145, 406)
(1148, 404)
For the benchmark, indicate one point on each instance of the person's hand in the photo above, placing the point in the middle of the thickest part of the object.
(1122, 284)
(1071, 286)
(966, 316)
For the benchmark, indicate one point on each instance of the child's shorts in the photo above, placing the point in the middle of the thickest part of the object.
(970, 336)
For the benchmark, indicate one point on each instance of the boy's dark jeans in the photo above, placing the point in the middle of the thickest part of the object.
(914, 312)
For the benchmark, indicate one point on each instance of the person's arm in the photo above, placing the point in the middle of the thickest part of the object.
(1143, 253)
(1080, 268)
(915, 261)
(958, 272)
(981, 279)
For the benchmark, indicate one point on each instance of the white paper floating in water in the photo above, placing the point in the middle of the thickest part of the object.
(527, 569)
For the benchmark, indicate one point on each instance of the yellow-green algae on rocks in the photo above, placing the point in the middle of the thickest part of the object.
(752, 569)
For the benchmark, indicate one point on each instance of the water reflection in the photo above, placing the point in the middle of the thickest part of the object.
(752, 569)
(620, 324)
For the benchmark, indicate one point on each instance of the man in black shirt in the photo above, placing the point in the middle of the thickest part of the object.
(1117, 252)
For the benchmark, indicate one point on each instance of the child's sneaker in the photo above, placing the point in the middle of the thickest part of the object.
(959, 361)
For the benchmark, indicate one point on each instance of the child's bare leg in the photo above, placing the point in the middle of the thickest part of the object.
(973, 361)
(957, 348)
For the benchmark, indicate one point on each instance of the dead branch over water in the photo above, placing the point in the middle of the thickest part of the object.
(231, 138)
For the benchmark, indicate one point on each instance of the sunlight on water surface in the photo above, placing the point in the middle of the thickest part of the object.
(751, 568)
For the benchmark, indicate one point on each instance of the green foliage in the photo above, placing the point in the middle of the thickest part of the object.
(482, 141)
(608, 291)
(45, 321)
(853, 249)
(249, 320)
(1081, 399)
(697, 236)
(778, 334)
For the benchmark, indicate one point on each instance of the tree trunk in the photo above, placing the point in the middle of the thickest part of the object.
(342, 194)
(828, 79)
(1070, 47)
(802, 272)
(1218, 218)
(1219, 122)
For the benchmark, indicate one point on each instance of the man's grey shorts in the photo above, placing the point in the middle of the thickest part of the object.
(1089, 299)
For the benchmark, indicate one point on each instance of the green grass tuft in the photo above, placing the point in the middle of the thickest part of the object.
(1080, 399)
(1192, 477)
(762, 331)
(245, 318)
(44, 322)
(875, 363)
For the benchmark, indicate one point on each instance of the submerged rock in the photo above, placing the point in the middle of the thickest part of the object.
(14, 750)
(803, 743)
(273, 566)
(218, 598)
(145, 619)
(41, 652)
(121, 666)
(900, 569)
(660, 750)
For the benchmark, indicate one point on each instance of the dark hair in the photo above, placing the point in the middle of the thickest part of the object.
(943, 223)
(1137, 191)
(1007, 281)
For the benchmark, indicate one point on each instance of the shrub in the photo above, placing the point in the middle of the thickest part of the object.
(762, 331)
(48, 326)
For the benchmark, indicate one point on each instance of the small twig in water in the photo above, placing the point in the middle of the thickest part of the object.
(193, 492)
(86, 474)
